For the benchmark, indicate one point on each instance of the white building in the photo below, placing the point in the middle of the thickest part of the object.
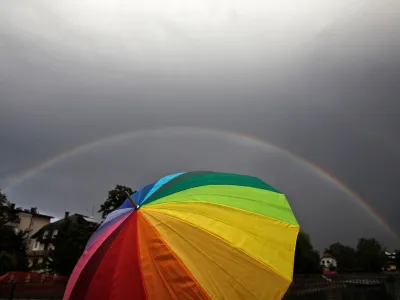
(328, 261)
(31, 221)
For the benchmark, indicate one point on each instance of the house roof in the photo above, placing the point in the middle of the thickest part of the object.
(32, 212)
(327, 255)
(75, 219)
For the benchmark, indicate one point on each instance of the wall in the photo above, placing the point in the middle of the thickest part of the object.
(32, 222)
(25, 220)
(39, 222)
(326, 261)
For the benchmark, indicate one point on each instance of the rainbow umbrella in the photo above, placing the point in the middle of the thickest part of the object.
(196, 235)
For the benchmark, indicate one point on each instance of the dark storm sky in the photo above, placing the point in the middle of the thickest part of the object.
(320, 79)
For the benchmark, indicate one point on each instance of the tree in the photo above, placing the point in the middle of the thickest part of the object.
(116, 197)
(306, 258)
(345, 256)
(3, 199)
(370, 255)
(7, 212)
(397, 259)
(69, 246)
(13, 249)
(8, 262)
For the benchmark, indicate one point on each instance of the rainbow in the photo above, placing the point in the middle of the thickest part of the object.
(20, 178)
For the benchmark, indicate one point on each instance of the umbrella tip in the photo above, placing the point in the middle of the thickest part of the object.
(132, 201)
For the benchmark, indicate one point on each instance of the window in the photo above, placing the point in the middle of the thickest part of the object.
(45, 234)
(33, 262)
(36, 246)
(55, 232)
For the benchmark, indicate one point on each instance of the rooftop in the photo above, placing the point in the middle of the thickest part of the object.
(75, 218)
(327, 255)
(33, 211)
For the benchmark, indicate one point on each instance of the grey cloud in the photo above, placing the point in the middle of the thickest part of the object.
(319, 80)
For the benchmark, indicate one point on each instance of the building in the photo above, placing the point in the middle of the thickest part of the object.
(391, 261)
(44, 238)
(328, 264)
(30, 220)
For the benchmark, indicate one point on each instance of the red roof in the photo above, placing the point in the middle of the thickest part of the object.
(327, 255)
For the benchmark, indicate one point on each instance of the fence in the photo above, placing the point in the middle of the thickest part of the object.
(345, 287)
(315, 287)
(23, 285)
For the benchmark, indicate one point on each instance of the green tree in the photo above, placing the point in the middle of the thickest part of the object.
(115, 198)
(7, 212)
(8, 262)
(397, 260)
(307, 259)
(370, 255)
(345, 256)
(3, 198)
(68, 246)
(14, 250)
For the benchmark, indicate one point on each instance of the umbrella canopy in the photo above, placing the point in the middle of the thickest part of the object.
(196, 235)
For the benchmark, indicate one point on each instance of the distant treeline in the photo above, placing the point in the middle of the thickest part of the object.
(369, 256)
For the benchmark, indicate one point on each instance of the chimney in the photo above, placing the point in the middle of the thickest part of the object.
(33, 210)
(66, 215)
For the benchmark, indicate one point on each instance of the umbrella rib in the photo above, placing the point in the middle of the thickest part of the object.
(195, 197)
(218, 237)
(173, 254)
(248, 232)
(171, 293)
(197, 249)
(140, 263)
(138, 258)
(218, 204)
(202, 252)
(224, 205)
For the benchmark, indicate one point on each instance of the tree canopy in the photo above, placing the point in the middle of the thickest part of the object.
(345, 256)
(397, 260)
(13, 249)
(306, 258)
(3, 199)
(69, 246)
(370, 255)
(7, 213)
(115, 198)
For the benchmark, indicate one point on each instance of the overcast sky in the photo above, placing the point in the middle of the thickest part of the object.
(314, 80)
